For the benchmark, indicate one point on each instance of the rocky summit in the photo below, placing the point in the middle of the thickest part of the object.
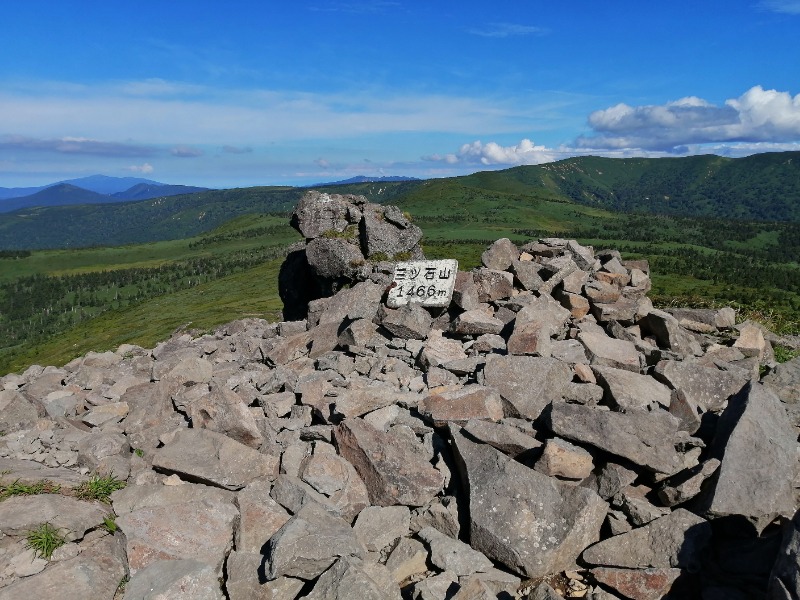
(548, 434)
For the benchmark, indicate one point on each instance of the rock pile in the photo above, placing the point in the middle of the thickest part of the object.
(548, 435)
(347, 240)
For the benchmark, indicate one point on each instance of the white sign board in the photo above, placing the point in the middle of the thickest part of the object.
(426, 282)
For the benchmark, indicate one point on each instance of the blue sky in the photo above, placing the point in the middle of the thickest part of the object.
(248, 93)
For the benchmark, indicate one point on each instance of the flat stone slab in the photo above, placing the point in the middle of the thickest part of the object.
(425, 282)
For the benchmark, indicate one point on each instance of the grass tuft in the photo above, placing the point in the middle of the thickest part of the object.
(99, 487)
(23, 489)
(44, 540)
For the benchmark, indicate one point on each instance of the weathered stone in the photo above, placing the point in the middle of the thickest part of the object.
(115, 411)
(358, 302)
(601, 292)
(569, 351)
(784, 580)
(29, 472)
(500, 255)
(718, 318)
(453, 555)
(199, 530)
(309, 543)
(335, 478)
(757, 447)
(633, 502)
(436, 587)
(670, 334)
(95, 573)
(317, 213)
(610, 479)
(392, 474)
(577, 305)
(493, 285)
(334, 259)
(461, 405)
(260, 516)
(477, 321)
(531, 338)
(380, 526)
(210, 457)
(223, 411)
(687, 484)
(150, 413)
(638, 584)
(408, 322)
(242, 578)
(562, 459)
(465, 292)
(382, 235)
(352, 578)
(608, 352)
(19, 514)
(439, 350)
(157, 495)
(643, 438)
(506, 438)
(705, 386)
(551, 525)
(179, 579)
(676, 540)
(16, 412)
(527, 384)
(441, 513)
(628, 390)
(751, 341)
(408, 559)
(528, 274)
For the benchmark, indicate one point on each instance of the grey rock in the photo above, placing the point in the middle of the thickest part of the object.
(223, 411)
(527, 384)
(757, 447)
(408, 559)
(669, 333)
(610, 479)
(465, 291)
(705, 386)
(461, 405)
(439, 350)
(335, 478)
(20, 514)
(260, 517)
(605, 351)
(382, 235)
(408, 322)
(492, 284)
(213, 458)
(453, 555)
(197, 530)
(317, 213)
(443, 585)
(644, 438)
(334, 260)
(154, 495)
(506, 438)
(392, 473)
(242, 578)
(380, 526)
(16, 412)
(94, 573)
(500, 255)
(564, 460)
(477, 321)
(150, 412)
(528, 274)
(784, 580)
(718, 318)
(628, 390)
(633, 503)
(687, 484)
(441, 513)
(351, 578)
(310, 542)
(552, 523)
(179, 579)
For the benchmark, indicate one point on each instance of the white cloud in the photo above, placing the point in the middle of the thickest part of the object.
(789, 7)
(503, 30)
(322, 163)
(492, 153)
(758, 115)
(145, 168)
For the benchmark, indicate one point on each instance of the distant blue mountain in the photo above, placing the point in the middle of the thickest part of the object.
(95, 189)
(366, 179)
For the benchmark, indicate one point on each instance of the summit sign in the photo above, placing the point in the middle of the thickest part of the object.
(425, 282)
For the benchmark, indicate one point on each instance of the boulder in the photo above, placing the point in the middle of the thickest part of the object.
(527, 384)
(531, 523)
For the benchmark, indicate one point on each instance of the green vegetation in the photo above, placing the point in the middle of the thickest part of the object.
(44, 540)
(205, 259)
(16, 488)
(99, 487)
(110, 523)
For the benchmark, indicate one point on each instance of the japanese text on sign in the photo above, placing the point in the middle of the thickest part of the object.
(426, 282)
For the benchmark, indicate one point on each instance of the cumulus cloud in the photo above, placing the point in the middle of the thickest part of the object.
(758, 115)
(492, 153)
(145, 168)
(789, 7)
(502, 30)
(73, 145)
(186, 152)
